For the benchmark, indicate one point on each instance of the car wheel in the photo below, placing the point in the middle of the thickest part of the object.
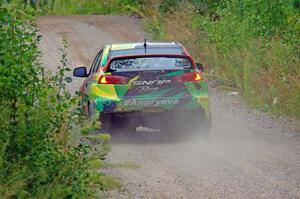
(208, 123)
(105, 119)
(202, 123)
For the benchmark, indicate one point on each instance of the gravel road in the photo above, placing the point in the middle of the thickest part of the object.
(248, 155)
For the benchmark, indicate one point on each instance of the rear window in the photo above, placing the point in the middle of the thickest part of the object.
(149, 51)
(150, 63)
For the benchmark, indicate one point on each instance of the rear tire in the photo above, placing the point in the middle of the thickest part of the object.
(105, 119)
(202, 123)
(111, 123)
(208, 123)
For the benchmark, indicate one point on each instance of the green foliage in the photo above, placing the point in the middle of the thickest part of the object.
(37, 158)
(208, 7)
(99, 145)
(68, 7)
(252, 46)
(63, 7)
(167, 5)
(106, 181)
(243, 20)
(257, 43)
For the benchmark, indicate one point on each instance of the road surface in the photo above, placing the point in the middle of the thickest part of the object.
(248, 155)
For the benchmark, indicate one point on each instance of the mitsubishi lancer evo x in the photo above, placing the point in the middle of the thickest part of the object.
(140, 83)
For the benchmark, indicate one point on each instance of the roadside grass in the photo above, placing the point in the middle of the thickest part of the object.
(264, 71)
(110, 182)
(67, 7)
(269, 79)
(100, 164)
(83, 7)
(99, 144)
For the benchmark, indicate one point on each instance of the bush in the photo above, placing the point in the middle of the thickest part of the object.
(37, 159)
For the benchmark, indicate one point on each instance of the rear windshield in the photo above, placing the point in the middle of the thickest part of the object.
(150, 63)
(149, 51)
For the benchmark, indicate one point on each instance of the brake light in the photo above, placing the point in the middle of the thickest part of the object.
(198, 77)
(102, 80)
(113, 80)
(189, 77)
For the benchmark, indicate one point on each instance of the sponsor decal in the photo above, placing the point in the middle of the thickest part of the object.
(146, 89)
(151, 82)
(150, 103)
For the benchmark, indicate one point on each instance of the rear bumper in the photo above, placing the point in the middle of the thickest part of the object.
(164, 114)
(168, 118)
(168, 105)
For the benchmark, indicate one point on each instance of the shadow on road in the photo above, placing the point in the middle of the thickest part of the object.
(146, 136)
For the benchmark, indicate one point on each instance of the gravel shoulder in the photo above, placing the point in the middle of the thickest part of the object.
(248, 155)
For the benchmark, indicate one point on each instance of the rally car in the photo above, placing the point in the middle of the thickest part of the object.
(146, 84)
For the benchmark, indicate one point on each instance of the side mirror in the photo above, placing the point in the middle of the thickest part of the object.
(200, 67)
(80, 72)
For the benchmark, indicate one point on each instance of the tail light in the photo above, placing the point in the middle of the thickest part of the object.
(113, 80)
(189, 77)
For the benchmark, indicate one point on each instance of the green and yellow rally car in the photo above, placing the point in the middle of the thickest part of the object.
(156, 84)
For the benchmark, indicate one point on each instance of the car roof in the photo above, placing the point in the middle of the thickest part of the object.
(151, 48)
(127, 46)
(126, 49)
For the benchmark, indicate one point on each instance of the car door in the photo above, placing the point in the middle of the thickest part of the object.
(95, 66)
(92, 71)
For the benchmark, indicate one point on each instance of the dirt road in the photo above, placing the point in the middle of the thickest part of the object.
(247, 156)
